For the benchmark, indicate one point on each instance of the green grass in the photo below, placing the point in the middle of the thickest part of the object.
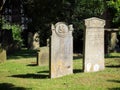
(19, 72)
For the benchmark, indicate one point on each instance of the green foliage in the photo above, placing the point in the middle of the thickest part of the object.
(115, 5)
(46, 12)
(16, 31)
(18, 69)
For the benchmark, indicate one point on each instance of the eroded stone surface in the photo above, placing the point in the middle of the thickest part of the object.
(61, 50)
(94, 45)
(43, 56)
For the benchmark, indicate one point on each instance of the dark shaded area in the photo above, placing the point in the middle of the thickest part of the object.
(32, 76)
(116, 81)
(113, 66)
(108, 56)
(23, 53)
(9, 86)
(32, 64)
(77, 57)
(43, 72)
(77, 71)
(117, 88)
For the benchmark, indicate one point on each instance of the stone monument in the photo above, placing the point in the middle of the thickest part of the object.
(43, 56)
(94, 45)
(61, 57)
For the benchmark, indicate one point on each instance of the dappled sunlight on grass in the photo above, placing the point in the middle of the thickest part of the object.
(24, 74)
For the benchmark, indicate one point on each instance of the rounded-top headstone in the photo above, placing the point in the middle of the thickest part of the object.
(61, 29)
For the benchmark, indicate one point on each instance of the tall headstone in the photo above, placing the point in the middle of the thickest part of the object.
(61, 50)
(94, 45)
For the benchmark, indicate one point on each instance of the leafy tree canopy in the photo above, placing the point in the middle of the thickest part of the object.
(115, 5)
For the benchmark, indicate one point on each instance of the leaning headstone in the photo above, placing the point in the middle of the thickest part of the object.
(61, 50)
(94, 45)
(43, 56)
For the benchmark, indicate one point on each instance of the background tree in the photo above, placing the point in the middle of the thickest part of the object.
(114, 5)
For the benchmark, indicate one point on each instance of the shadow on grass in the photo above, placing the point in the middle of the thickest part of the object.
(116, 81)
(9, 86)
(117, 88)
(34, 64)
(43, 72)
(113, 66)
(77, 71)
(108, 56)
(32, 76)
(24, 53)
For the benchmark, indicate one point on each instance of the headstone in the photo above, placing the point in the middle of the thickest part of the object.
(36, 43)
(94, 45)
(48, 42)
(33, 41)
(2, 55)
(114, 41)
(43, 56)
(61, 50)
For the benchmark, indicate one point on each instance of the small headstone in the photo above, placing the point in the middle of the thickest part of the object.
(43, 56)
(2, 55)
(61, 50)
(94, 45)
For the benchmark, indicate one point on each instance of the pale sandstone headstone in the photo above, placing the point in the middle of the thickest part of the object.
(94, 45)
(35, 44)
(3, 55)
(33, 41)
(43, 56)
(61, 50)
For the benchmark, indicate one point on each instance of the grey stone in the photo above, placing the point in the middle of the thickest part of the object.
(61, 50)
(94, 45)
(43, 56)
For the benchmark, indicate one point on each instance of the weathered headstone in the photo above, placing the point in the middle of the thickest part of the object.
(2, 55)
(114, 40)
(61, 50)
(36, 43)
(33, 41)
(94, 45)
(43, 56)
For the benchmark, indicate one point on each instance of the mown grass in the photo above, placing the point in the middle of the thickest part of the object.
(20, 72)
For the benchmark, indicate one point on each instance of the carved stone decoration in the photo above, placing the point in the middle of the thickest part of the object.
(61, 50)
(61, 29)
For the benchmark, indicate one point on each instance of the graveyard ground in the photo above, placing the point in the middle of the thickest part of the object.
(20, 72)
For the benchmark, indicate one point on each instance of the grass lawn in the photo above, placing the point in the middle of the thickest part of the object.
(19, 72)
